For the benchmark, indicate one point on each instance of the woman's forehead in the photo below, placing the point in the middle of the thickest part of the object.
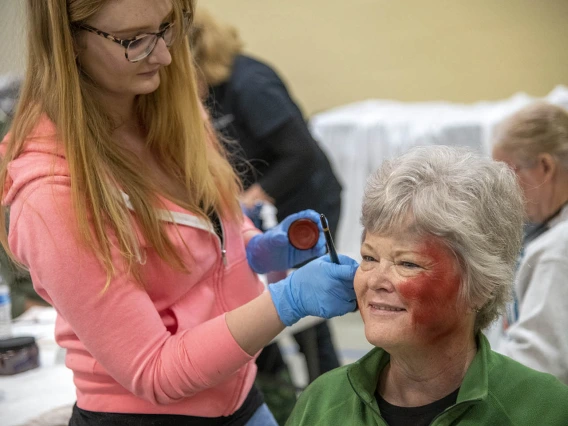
(400, 238)
(121, 16)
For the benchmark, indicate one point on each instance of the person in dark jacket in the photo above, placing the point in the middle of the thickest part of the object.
(250, 104)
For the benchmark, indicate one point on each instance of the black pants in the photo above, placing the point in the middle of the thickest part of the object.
(240, 417)
(317, 346)
(315, 343)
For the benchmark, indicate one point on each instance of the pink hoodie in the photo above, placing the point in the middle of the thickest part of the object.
(163, 350)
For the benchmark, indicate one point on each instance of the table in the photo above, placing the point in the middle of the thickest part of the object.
(27, 395)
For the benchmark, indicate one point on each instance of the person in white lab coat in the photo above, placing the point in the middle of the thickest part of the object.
(534, 142)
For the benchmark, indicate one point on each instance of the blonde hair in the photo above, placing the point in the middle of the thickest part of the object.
(214, 46)
(54, 85)
(538, 128)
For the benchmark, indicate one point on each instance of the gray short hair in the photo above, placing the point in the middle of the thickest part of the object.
(537, 128)
(472, 202)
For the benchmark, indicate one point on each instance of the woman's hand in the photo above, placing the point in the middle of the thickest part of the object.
(272, 251)
(320, 288)
(255, 194)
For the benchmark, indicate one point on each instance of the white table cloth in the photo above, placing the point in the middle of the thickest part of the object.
(26, 395)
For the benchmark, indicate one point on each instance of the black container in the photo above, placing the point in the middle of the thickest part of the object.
(18, 354)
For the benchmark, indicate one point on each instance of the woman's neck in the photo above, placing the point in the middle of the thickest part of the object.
(120, 107)
(560, 193)
(419, 377)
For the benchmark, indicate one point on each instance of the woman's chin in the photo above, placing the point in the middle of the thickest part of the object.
(380, 339)
(150, 86)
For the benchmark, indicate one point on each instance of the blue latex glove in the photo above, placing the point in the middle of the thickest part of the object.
(253, 214)
(272, 251)
(320, 288)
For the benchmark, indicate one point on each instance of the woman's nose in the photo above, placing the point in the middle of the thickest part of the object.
(161, 54)
(379, 277)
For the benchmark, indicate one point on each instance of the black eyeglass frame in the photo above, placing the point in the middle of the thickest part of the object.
(126, 42)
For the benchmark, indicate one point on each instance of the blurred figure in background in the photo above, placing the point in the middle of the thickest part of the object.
(250, 104)
(442, 232)
(534, 143)
(22, 293)
(9, 90)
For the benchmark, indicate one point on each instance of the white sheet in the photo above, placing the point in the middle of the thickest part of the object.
(359, 137)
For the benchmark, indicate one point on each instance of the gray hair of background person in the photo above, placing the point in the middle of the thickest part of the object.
(473, 203)
(538, 128)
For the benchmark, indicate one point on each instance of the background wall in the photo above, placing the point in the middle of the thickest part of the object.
(336, 52)
(332, 53)
(12, 36)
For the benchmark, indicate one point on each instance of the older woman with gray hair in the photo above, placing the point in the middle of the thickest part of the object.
(442, 231)
(534, 143)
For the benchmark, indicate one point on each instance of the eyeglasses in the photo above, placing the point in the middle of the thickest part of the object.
(139, 47)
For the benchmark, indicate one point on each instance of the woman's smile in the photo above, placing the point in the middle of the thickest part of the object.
(377, 308)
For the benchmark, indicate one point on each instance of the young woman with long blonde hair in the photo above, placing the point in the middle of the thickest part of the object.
(124, 209)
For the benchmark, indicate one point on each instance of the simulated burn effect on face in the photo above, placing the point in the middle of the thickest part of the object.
(408, 291)
(433, 291)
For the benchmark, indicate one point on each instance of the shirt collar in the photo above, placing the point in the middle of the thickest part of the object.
(363, 375)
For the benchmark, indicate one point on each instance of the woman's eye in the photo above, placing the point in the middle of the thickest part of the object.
(368, 258)
(408, 265)
(137, 43)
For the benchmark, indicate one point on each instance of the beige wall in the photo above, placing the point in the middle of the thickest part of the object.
(12, 36)
(335, 52)
(332, 53)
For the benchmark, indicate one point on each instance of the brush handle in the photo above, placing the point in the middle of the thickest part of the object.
(329, 240)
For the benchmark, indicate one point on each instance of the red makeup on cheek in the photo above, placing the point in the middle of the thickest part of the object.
(432, 294)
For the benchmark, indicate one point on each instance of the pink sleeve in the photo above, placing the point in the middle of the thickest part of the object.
(121, 328)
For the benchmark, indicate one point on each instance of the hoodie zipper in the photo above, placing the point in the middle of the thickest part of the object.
(221, 237)
(222, 242)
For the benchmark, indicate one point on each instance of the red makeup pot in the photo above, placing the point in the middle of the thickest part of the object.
(303, 234)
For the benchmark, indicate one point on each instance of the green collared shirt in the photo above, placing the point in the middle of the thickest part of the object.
(495, 391)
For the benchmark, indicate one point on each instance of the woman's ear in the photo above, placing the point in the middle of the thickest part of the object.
(78, 42)
(547, 165)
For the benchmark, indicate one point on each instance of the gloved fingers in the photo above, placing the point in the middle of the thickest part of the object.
(317, 251)
(312, 215)
(330, 311)
(343, 291)
(343, 271)
(343, 260)
(302, 255)
(321, 244)
(304, 214)
(278, 238)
